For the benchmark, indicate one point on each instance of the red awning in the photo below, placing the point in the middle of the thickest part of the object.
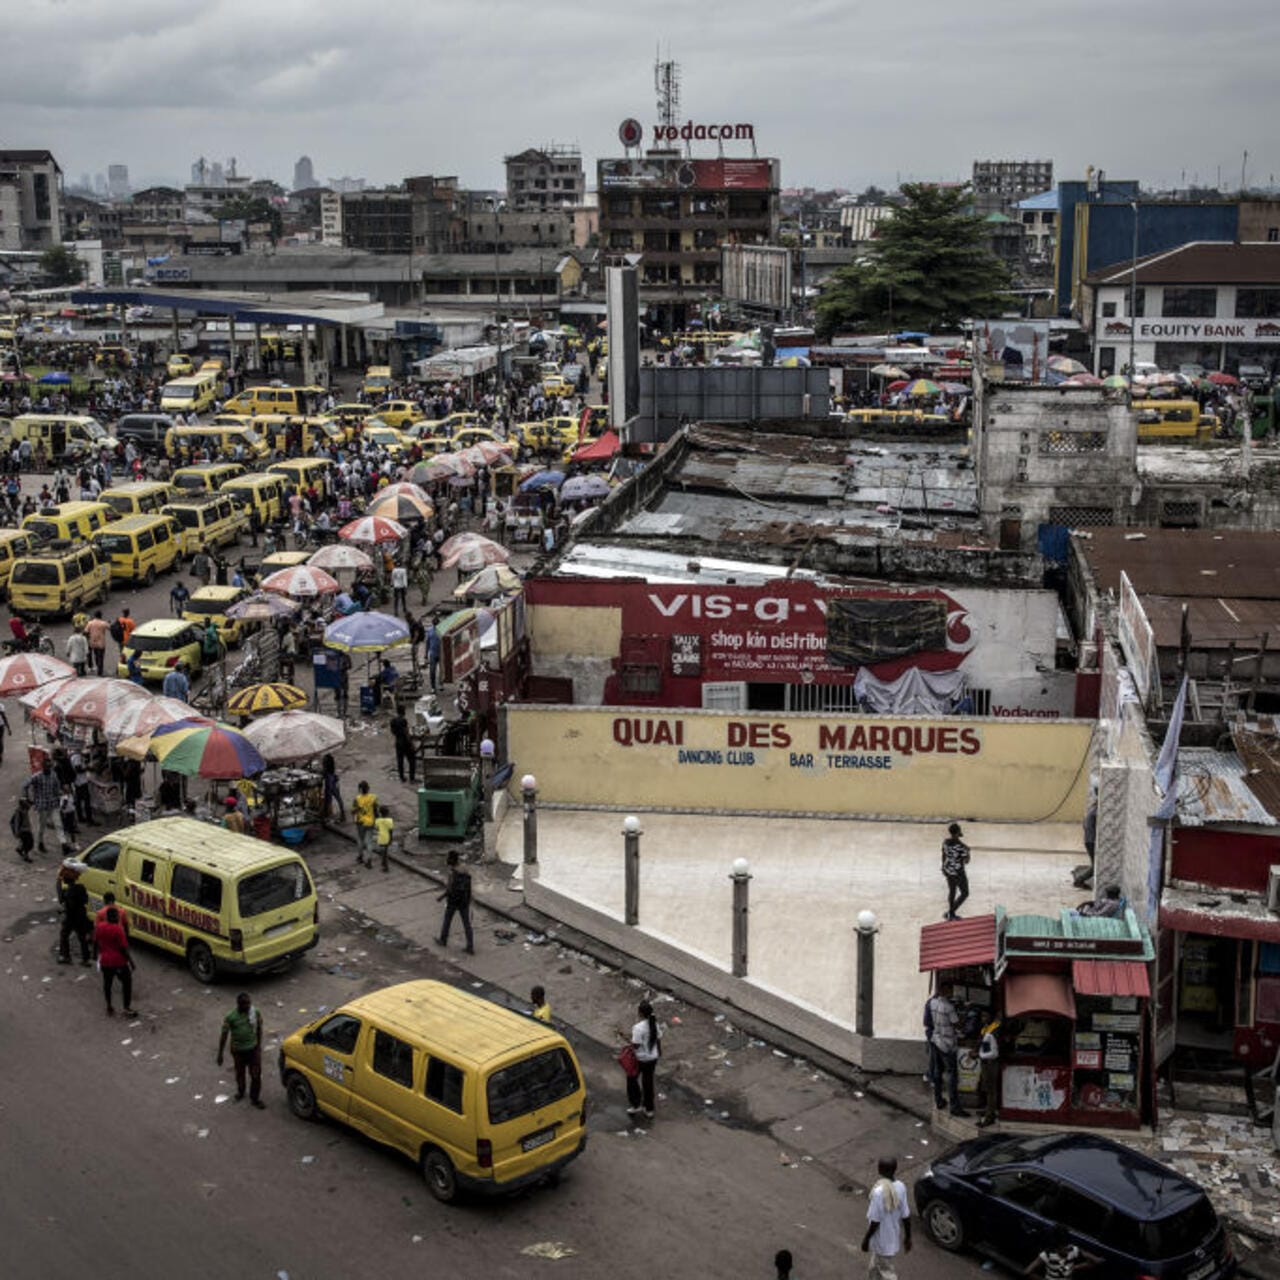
(1110, 978)
(956, 944)
(1038, 993)
(598, 450)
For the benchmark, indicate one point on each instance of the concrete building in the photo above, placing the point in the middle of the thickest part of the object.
(999, 184)
(1039, 217)
(33, 205)
(84, 219)
(331, 219)
(1212, 304)
(208, 197)
(545, 178)
(156, 204)
(500, 230)
(425, 216)
(118, 181)
(304, 174)
(670, 214)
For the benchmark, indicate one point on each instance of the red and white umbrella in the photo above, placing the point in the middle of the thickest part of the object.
(340, 555)
(371, 529)
(301, 581)
(402, 486)
(472, 551)
(484, 453)
(138, 717)
(26, 671)
(88, 700)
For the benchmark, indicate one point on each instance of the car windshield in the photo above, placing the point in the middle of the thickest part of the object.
(36, 573)
(272, 889)
(185, 516)
(94, 429)
(203, 607)
(176, 391)
(112, 544)
(189, 482)
(250, 435)
(159, 644)
(532, 1083)
(1015, 1150)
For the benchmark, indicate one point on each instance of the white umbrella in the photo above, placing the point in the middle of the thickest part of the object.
(340, 555)
(286, 736)
(138, 717)
(472, 551)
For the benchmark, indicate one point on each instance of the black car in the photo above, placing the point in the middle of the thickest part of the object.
(1009, 1196)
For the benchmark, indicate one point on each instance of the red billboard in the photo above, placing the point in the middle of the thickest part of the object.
(733, 175)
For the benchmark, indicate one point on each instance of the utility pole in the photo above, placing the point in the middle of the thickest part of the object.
(1133, 300)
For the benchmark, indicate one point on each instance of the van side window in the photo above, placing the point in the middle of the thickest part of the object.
(196, 887)
(444, 1084)
(393, 1058)
(87, 562)
(340, 1033)
(71, 569)
(148, 873)
(103, 856)
(146, 540)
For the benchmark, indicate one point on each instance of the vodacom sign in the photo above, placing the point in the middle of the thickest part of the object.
(630, 132)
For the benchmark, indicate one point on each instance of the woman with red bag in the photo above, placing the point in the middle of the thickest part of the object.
(639, 1059)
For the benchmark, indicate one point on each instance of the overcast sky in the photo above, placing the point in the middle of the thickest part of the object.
(844, 92)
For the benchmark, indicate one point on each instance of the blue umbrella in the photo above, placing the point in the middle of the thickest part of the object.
(366, 633)
(55, 379)
(542, 480)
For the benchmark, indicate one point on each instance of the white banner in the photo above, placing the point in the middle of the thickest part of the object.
(1167, 329)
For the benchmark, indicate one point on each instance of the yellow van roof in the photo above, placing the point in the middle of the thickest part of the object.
(132, 487)
(204, 844)
(131, 524)
(477, 1031)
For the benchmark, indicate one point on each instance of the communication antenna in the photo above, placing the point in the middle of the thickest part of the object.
(666, 83)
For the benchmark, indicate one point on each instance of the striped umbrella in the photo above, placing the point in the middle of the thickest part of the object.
(261, 607)
(203, 750)
(922, 387)
(272, 696)
(371, 529)
(1065, 365)
(1085, 379)
(366, 633)
(401, 507)
(90, 700)
(472, 550)
(301, 581)
(1117, 381)
(26, 671)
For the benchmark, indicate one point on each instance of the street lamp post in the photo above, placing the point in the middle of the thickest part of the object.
(1133, 298)
(529, 792)
(631, 859)
(741, 877)
(867, 929)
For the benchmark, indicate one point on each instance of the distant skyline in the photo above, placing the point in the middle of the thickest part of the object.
(842, 92)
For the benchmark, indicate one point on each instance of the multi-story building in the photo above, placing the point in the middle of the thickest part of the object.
(999, 184)
(506, 229)
(304, 174)
(331, 219)
(85, 219)
(209, 197)
(156, 204)
(32, 205)
(425, 216)
(118, 181)
(547, 178)
(671, 214)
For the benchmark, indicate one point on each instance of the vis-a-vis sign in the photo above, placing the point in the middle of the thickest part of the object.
(908, 767)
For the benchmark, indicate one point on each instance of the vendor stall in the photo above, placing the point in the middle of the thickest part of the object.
(292, 798)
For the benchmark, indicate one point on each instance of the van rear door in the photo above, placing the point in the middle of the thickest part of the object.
(534, 1107)
(275, 911)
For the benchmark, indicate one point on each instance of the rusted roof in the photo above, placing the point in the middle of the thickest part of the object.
(1110, 978)
(1189, 563)
(1212, 788)
(1214, 623)
(1259, 752)
(1201, 262)
(957, 944)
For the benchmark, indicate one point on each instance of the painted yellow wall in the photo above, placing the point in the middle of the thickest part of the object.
(557, 631)
(962, 767)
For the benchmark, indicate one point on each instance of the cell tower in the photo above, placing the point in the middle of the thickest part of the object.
(666, 82)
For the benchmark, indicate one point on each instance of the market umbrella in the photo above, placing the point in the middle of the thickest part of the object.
(954, 388)
(400, 507)
(55, 379)
(899, 385)
(600, 449)
(262, 607)
(888, 371)
(295, 735)
(301, 581)
(576, 488)
(491, 581)
(922, 387)
(491, 451)
(1065, 365)
(26, 671)
(340, 555)
(470, 549)
(371, 529)
(461, 618)
(1222, 379)
(542, 480)
(1083, 380)
(1117, 381)
(273, 696)
(401, 486)
(140, 717)
(90, 700)
(441, 467)
(204, 750)
(366, 633)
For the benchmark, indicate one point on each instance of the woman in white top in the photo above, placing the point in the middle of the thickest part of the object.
(647, 1040)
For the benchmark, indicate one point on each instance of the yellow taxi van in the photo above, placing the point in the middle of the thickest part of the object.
(207, 520)
(139, 547)
(13, 543)
(219, 439)
(227, 903)
(179, 366)
(260, 492)
(302, 473)
(442, 427)
(66, 437)
(57, 578)
(136, 497)
(377, 379)
(68, 521)
(211, 603)
(275, 430)
(160, 645)
(1173, 420)
(480, 1098)
(204, 477)
(397, 413)
(255, 400)
(195, 394)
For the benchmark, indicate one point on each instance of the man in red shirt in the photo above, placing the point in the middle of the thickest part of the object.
(112, 944)
(97, 629)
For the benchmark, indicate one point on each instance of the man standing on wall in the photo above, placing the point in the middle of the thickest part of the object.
(955, 860)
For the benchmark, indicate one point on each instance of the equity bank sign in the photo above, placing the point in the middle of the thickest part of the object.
(715, 761)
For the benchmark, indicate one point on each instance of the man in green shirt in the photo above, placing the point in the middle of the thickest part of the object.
(244, 1025)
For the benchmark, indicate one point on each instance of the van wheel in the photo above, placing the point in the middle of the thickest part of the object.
(151, 574)
(437, 1169)
(301, 1096)
(200, 962)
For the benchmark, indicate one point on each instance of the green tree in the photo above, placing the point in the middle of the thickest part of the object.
(61, 265)
(252, 209)
(929, 268)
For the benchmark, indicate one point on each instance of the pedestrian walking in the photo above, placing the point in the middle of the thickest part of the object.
(989, 1066)
(943, 1051)
(433, 656)
(405, 749)
(78, 651)
(541, 1009)
(81, 785)
(888, 1222)
(646, 1041)
(364, 808)
(44, 790)
(457, 900)
(332, 790)
(112, 945)
(384, 827)
(178, 597)
(98, 629)
(955, 858)
(243, 1026)
(4, 731)
(20, 825)
(399, 589)
(74, 898)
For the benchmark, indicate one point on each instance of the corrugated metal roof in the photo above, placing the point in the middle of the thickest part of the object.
(1201, 262)
(1225, 564)
(1110, 978)
(1259, 752)
(1038, 993)
(1214, 623)
(1212, 788)
(1068, 926)
(956, 944)
(763, 477)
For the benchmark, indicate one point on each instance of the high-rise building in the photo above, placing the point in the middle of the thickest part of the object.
(304, 174)
(548, 178)
(117, 181)
(999, 184)
(30, 200)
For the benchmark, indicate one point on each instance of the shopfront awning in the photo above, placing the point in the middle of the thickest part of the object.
(1217, 914)
(1110, 978)
(1038, 993)
(957, 944)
